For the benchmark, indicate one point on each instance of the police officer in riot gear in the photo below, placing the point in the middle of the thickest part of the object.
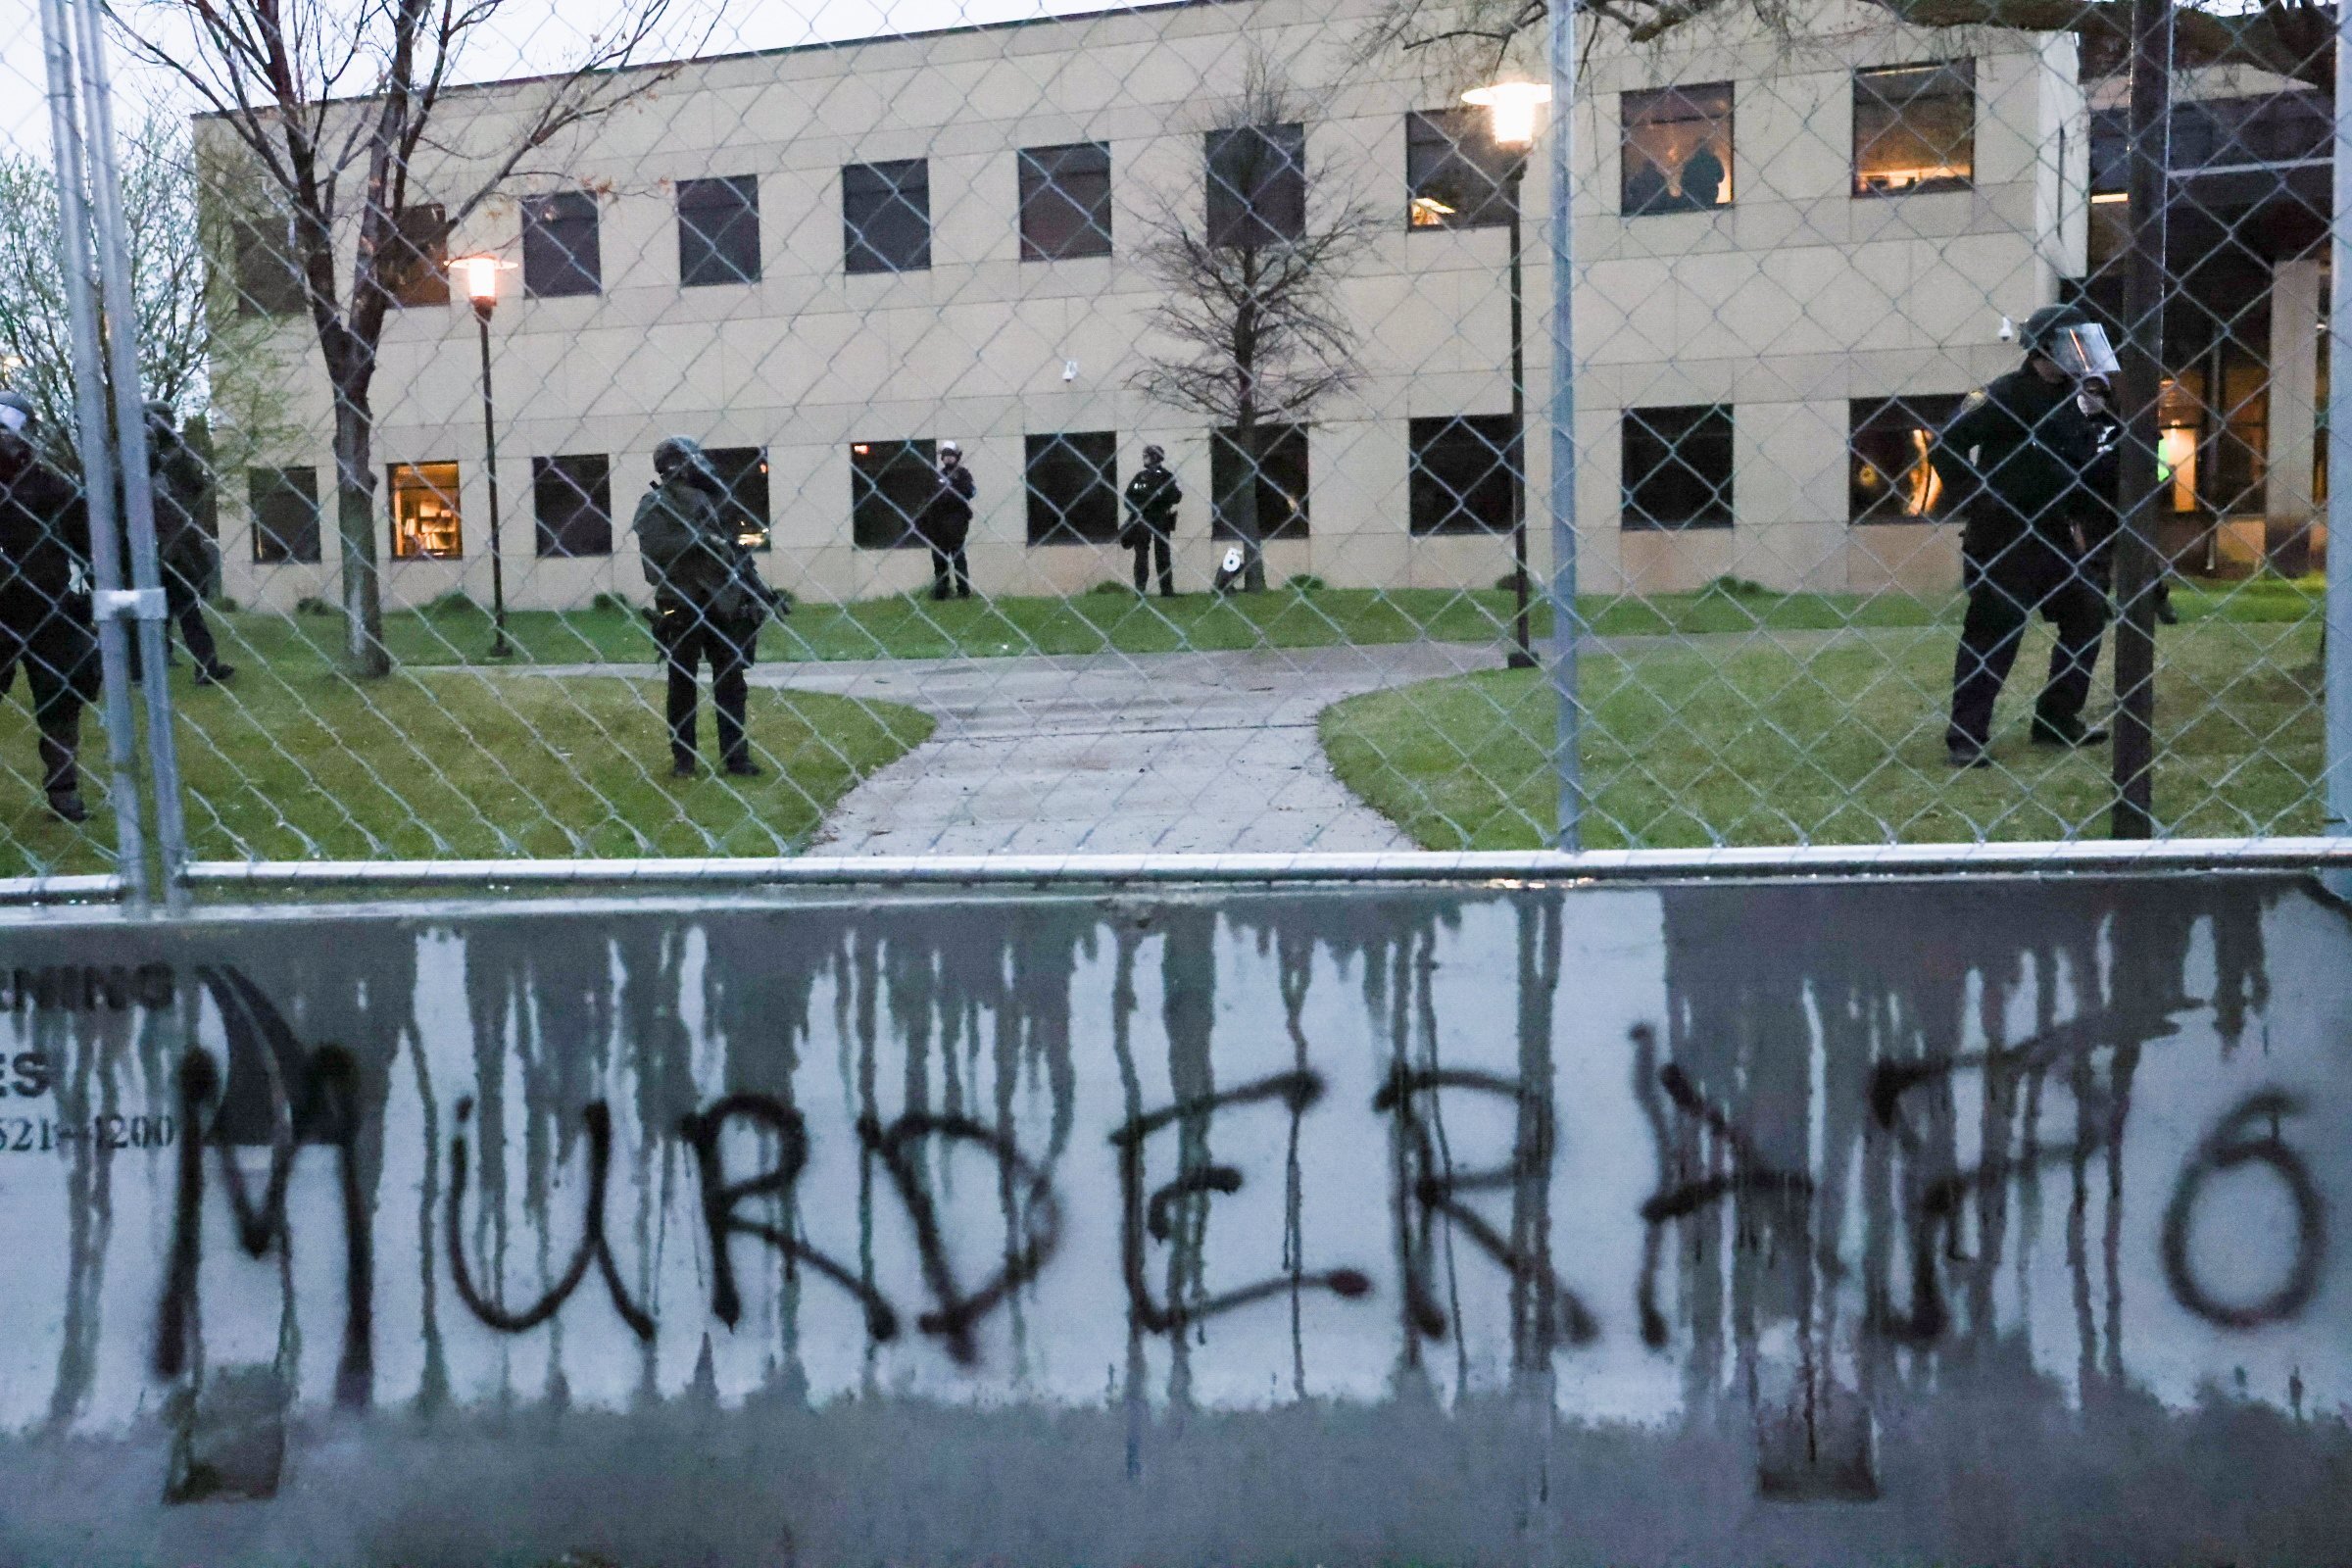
(180, 482)
(2029, 458)
(1152, 497)
(44, 607)
(709, 602)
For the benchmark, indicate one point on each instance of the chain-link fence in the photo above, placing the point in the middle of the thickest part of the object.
(1228, 427)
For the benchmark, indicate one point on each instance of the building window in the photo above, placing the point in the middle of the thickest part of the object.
(718, 231)
(424, 512)
(886, 216)
(1675, 150)
(1074, 488)
(284, 505)
(1256, 184)
(268, 283)
(1888, 479)
(574, 499)
(1915, 129)
(560, 251)
(1461, 473)
(1282, 482)
(416, 272)
(890, 481)
(1066, 201)
(1455, 176)
(743, 472)
(1678, 467)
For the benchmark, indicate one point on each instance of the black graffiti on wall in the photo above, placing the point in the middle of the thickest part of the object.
(280, 1096)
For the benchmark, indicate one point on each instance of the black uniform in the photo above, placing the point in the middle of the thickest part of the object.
(944, 524)
(708, 606)
(2027, 461)
(1152, 497)
(179, 479)
(44, 622)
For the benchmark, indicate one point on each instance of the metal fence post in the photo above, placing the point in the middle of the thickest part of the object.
(97, 469)
(2134, 561)
(1566, 626)
(130, 435)
(2335, 636)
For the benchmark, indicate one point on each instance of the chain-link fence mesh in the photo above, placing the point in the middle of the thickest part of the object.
(668, 434)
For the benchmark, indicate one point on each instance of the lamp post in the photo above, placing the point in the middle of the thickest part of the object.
(480, 277)
(1511, 116)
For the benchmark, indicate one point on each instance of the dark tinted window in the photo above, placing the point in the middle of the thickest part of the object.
(1066, 201)
(1678, 467)
(1887, 477)
(718, 231)
(744, 472)
(889, 483)
(268, 283)
(1256, 184)
(1461, 473)
(1455, 176)
(1915, 129)
(1281, 482)
(1073, 487)
(886, 216)
(560, 254)
(1675, 149)
(284, 502)
(573, 498)
(417, 269)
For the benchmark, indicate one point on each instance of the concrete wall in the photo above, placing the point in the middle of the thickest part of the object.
(1786, 304)
(1986, 1221)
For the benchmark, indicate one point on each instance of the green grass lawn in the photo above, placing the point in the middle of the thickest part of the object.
(294, 762)
(912, 626)
(1834, 740)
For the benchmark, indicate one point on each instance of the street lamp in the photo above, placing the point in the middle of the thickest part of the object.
(1511, 117)
(479, 277)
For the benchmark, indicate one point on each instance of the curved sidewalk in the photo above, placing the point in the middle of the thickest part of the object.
(1112, 753)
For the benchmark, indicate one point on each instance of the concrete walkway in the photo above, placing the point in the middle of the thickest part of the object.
(1112, 753)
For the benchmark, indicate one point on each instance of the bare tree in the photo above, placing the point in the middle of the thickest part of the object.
(1466, 41)
(331, 102)
(167, 278)
(1254, 329)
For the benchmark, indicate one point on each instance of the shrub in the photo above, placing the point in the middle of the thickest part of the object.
(1110, 586)
(1305, 582)
(312, 604)
(614, 604)
(1740, 588)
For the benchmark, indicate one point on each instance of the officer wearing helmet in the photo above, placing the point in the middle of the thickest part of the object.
(44, 622)
(709, 601)
(2030, 458)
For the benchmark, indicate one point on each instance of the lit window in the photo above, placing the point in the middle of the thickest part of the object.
(424, 512)
(1455, 174)
(1888, 479)
(1675, 150)
(1915, 129)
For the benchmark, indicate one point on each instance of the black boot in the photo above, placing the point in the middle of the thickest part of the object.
(67, 802)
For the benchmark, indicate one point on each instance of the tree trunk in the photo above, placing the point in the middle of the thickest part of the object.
(365, 657)
(1241, 504)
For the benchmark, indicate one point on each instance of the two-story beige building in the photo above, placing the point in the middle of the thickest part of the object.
(1791, 254)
